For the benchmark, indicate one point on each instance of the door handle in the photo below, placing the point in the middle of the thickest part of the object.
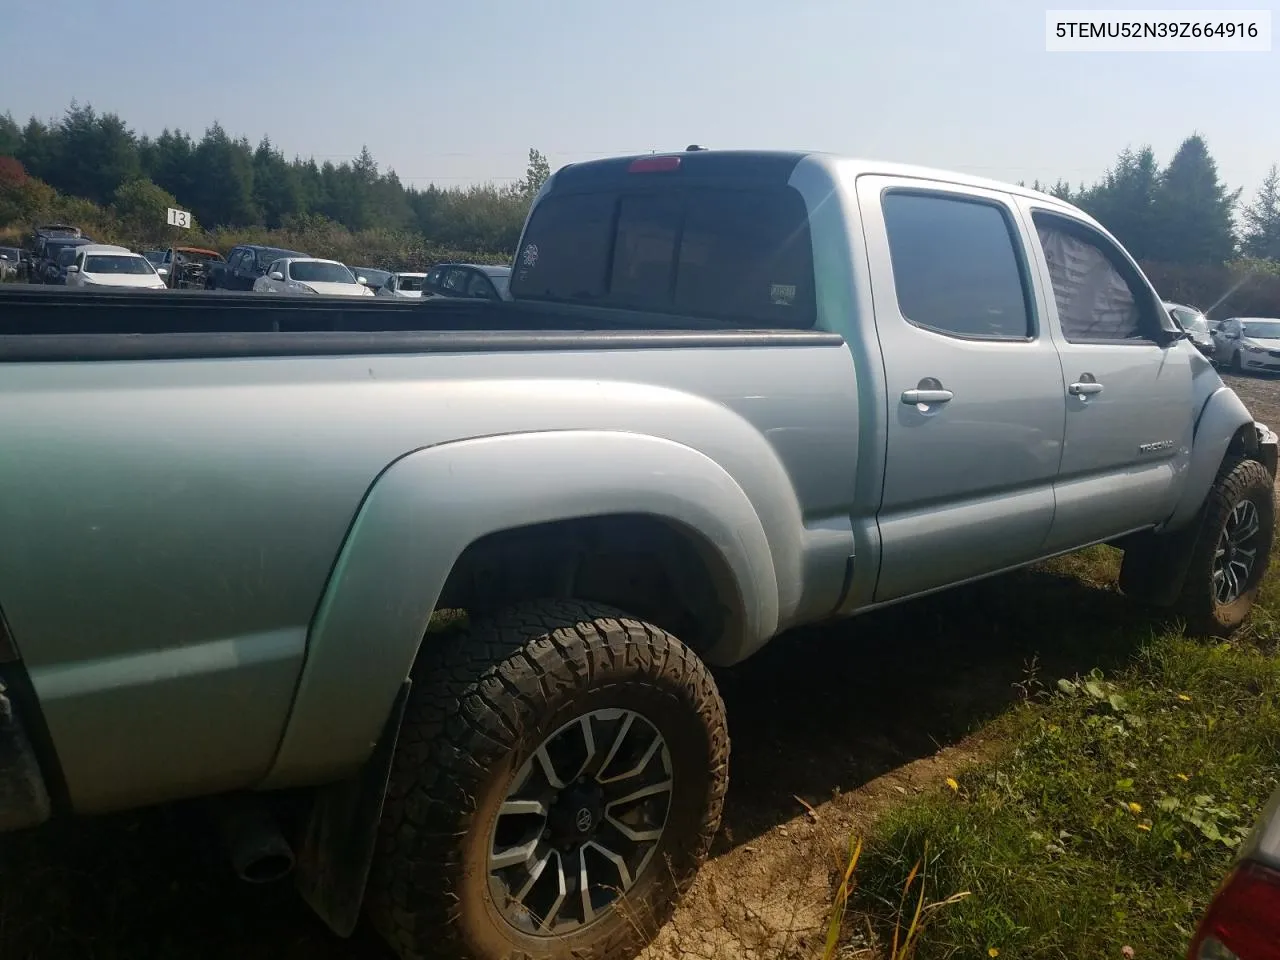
(926, 396)
(1084, 388)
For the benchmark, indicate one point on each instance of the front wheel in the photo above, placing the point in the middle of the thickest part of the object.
(1232, 550)
(559, 779)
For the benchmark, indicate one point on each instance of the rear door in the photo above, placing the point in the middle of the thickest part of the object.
(975, 405)
(1129, 414)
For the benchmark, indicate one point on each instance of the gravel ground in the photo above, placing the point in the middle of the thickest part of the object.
(1261, 394)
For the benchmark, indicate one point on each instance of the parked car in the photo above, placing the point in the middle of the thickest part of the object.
(190, 267)
(56, 273)
(734, 393)
(50, 263)
(310, 275)
(103, 267)
(403, 286)
(1243, 920)
(10, 260)
(1249, 343)
(374, 278)
(1196, 325)
(469, 280)
(244, 265)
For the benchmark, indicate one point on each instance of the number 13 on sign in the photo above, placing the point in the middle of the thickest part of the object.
(179, 218)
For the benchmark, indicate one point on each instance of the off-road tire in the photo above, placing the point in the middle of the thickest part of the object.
(483, 700)
(1237, 480)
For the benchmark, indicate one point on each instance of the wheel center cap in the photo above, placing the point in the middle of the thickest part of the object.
(575, 814)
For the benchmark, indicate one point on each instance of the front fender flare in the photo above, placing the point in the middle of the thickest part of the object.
(430, 505)
(1221, 418)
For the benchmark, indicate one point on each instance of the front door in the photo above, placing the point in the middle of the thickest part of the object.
(1128, 398)
(975, 391)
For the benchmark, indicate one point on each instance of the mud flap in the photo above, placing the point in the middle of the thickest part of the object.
(342, 832)
(1155, 565)
(24, 801)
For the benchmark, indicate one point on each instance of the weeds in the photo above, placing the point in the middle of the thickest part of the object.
(1105, 823)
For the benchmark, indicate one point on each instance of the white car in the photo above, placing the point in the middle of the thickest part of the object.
(99, 266)
(403, 286)
(310, 275)
(1249, 343)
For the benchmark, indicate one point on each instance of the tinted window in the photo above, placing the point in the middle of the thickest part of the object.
(644, 249)
(1095, 300)
(955, 266)
(455, 281)
(480, 288)
(741, 254)
(406, 283)
(566, 249)
(747, 254)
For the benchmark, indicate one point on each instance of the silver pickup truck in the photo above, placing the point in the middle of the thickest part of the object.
(733, 393)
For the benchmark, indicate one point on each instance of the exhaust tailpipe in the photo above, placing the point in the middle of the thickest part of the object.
(258, 850)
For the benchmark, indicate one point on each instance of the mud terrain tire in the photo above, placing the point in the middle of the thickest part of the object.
(489, 705)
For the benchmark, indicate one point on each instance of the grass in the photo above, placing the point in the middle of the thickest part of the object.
(1108, 816)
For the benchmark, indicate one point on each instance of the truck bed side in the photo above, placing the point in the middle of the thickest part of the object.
(172, 524)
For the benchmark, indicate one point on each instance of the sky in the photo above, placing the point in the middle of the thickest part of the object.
(457, 93)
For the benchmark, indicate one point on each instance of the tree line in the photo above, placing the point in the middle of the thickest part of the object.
(228, 183)
(1194, 235)
(1183, 213)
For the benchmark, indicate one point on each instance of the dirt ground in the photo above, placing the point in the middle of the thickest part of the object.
(829, 726)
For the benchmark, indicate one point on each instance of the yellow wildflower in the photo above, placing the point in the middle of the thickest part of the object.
(1145, 826)
(1184, 698)
(1183, 777)
(1135, 807)
(953, 784)
(992, 952)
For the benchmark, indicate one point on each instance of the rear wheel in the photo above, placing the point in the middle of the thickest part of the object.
(559, 779)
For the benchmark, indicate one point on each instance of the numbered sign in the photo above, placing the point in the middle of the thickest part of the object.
(179, 218)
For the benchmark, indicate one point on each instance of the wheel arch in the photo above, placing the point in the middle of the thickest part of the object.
(433, 511)
(1224, 428)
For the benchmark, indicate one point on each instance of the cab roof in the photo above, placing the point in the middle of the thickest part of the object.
(763, 166)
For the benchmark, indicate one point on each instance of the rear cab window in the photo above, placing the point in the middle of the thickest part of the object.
(740, 254)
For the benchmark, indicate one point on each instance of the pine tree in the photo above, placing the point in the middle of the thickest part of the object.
(1194, 209)
(1262, 220)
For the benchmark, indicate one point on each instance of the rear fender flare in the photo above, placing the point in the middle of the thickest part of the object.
(430, 505)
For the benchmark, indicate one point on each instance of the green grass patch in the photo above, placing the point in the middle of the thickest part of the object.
(1110, 814)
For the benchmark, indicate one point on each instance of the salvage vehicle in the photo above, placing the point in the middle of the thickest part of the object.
(468, 280)
(374, 278)
(102, 266)
(244, 266)
(444, 578)
(405, 286)
(1248, 343)
(1196, 325)
(312, 276)
(49, 262)
(10, 263)
(189, 267)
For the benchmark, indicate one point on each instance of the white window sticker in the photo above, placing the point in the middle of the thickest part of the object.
(530, 256)
(782, 294)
